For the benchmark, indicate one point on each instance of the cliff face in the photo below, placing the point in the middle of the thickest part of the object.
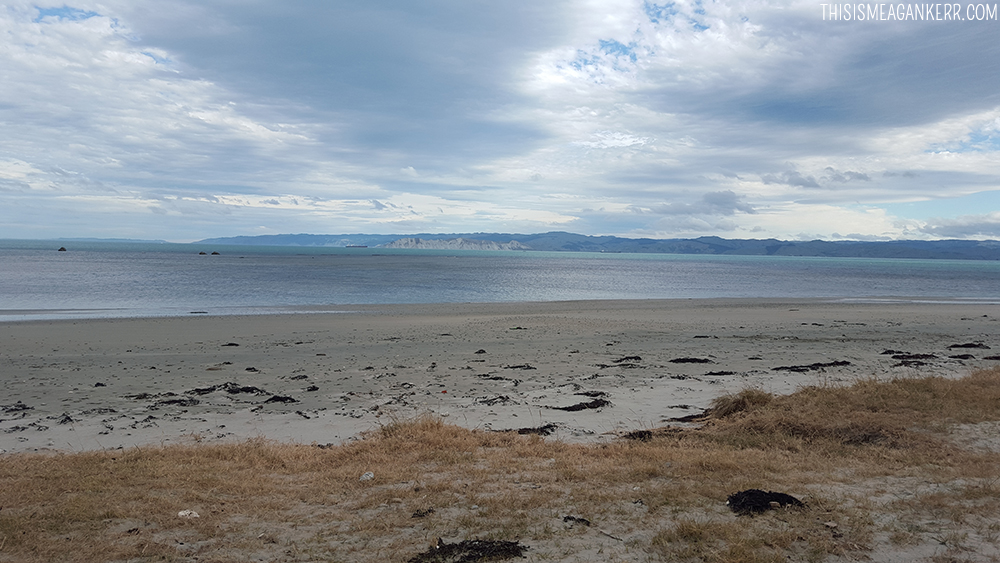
(455, 244)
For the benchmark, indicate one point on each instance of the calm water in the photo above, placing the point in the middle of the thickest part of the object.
(129, 279)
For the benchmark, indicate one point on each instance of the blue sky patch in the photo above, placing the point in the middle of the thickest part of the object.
(612, 47)
(983, 142)
(583, 60)
(977, 142)
(64, 13)
(659, 12)
(945, 207)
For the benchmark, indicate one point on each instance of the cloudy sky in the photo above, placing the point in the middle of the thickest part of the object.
(744, 119)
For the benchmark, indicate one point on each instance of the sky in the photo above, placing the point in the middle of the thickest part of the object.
(181, 121)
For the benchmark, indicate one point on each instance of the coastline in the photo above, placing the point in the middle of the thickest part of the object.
(311, 377)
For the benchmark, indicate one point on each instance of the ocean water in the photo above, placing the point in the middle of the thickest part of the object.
(105, 279)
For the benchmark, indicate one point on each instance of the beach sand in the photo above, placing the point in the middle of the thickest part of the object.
(325, 376)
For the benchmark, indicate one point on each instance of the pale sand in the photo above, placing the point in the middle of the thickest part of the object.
(82, 385)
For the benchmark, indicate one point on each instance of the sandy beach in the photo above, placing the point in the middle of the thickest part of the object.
(587, 371)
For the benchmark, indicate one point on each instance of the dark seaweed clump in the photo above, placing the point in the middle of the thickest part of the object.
(538, 430)
(639, 435)
(470, 551)
(595, 404)
(812, 367)
(756, 501)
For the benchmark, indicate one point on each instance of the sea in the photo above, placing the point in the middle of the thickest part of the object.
(128, 279)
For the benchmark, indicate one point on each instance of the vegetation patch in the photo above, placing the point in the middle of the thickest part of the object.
(904, 466)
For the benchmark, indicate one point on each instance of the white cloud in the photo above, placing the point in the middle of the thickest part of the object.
(613, 139)
(981, 226)
(814, 221)
(17, 170)
(90, 100)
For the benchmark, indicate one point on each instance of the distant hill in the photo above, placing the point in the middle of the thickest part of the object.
(129, 240)
(562, 241)
(454, 244)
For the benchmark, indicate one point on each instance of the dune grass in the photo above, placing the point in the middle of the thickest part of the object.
(879, 465)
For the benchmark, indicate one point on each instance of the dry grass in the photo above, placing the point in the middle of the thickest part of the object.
(873, 461)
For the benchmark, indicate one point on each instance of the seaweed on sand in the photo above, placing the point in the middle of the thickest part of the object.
(812, 367)
(595, 404)
(756, 501)
(470, 551)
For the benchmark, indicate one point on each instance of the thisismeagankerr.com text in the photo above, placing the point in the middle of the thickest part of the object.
(909, 12)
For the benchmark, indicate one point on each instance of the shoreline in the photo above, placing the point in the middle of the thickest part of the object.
(70, 314)
(315, 377)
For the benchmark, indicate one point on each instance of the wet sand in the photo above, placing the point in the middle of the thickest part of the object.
(587, 370)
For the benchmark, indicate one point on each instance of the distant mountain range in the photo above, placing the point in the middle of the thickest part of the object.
(454, 244)
(562, 241)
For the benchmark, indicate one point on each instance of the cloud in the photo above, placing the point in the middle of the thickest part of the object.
(614, 117)
(835, 175)
(790, 178)
(712, 203)
(726, 202)
(983, 226)
(90, 101)
(613, 139)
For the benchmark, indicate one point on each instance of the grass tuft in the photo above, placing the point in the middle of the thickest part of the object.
(746, 400)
